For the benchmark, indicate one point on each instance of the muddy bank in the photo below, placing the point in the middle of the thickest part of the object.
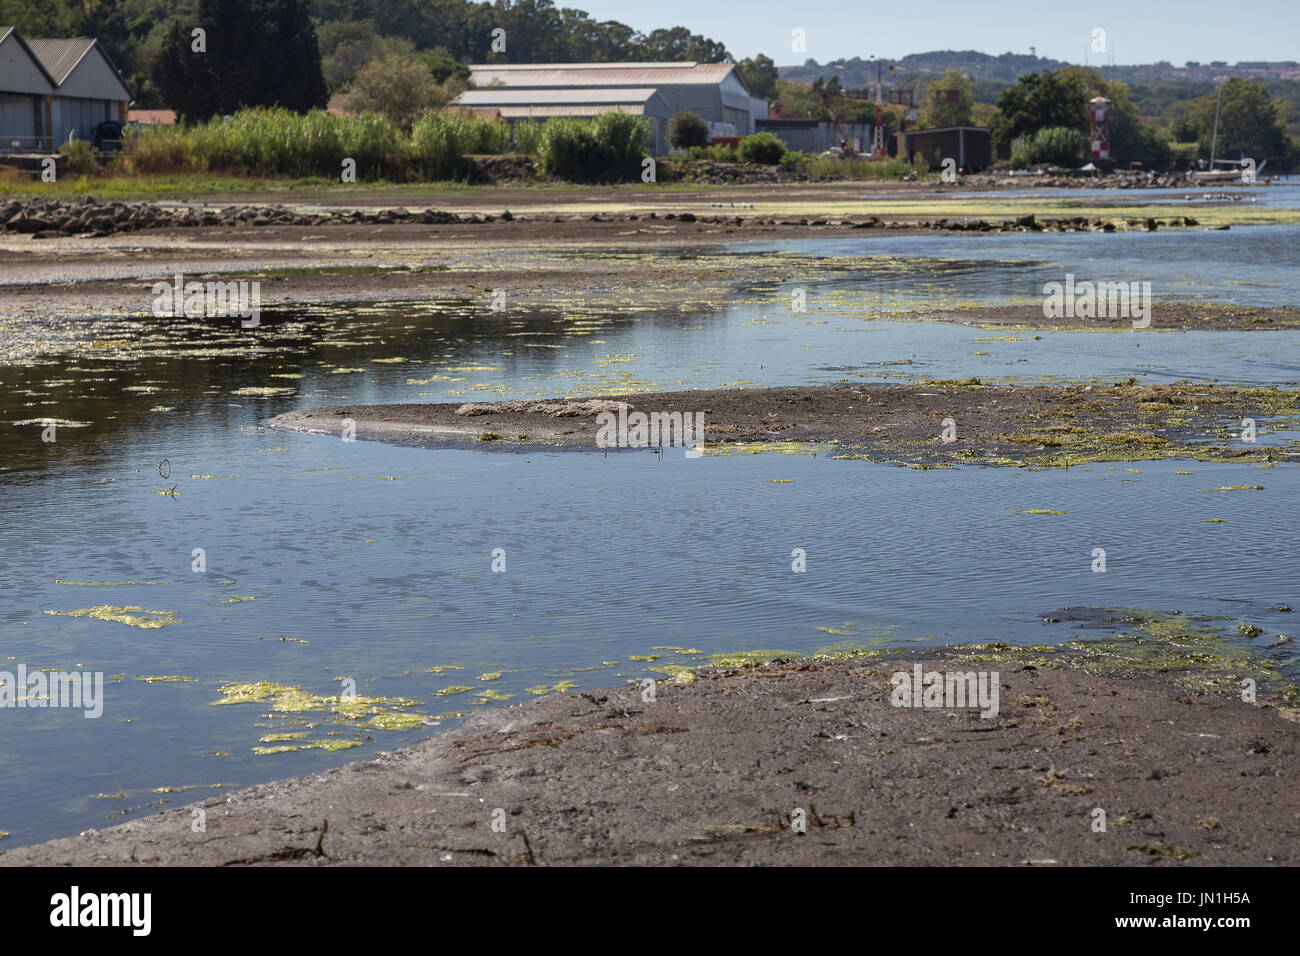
(1048, 426)
(717, 769)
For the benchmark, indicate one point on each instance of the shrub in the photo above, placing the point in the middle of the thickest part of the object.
(721, 153)
(761, 148)
(438, 143)
(610, 146)
(688, 129)
(1055, 146)
(80, 156)
(375, 143)
(527, 136)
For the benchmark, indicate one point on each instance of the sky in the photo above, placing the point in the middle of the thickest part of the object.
(1136, 31)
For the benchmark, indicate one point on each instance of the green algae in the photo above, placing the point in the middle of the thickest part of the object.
(129, 614)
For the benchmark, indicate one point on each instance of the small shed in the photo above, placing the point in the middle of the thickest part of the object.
(970, 146)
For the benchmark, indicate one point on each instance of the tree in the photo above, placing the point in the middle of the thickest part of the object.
(680, 44)
(1041, 101)
(688, 129)
(401, 87)
(1250, 123)
(760, 76)
(258, 53)
(346, 47)
(940, 110)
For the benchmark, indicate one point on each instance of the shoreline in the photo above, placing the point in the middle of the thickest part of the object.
(714, 770)
(1017, 425)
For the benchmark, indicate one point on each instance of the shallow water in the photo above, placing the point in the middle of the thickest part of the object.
(380, 558)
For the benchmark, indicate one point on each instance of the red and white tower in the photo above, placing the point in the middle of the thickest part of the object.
(1099, 127)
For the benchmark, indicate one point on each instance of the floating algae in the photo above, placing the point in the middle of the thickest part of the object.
(1036, 511)
(168, 679)
(103, 584)
(330, 745)
(396, 721)
(559, 687)
(129, 614)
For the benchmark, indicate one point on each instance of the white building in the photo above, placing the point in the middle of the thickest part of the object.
(26, 92)
(53, 89)
(514, 105)
(715, 91)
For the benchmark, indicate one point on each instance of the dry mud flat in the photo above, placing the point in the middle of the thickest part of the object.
(1044, 425)
(716, 770)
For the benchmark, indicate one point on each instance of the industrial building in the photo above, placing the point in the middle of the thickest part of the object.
(970, 146)
(817, 136)
(513, 105)
(716, 91)
(55, 89)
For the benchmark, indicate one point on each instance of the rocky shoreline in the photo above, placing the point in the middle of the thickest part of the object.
(89, 218)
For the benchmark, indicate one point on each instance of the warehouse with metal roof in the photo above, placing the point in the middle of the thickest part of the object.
(716, 91)
(54, 89)
(513, 105)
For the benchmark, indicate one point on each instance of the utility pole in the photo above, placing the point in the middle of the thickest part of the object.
(878, 134)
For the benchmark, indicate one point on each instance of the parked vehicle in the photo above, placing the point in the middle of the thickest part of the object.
(107, 136)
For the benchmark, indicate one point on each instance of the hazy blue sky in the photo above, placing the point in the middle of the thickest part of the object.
(1138, 31)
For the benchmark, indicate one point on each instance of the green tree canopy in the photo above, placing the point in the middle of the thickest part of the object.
(258, 53)
(1250, 122)
(938, 111)
(401, 87)
(1041, 101)
(760, 76)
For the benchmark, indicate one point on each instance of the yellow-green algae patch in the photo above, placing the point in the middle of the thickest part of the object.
(559, 687)
(1191, 652)
(103, 584)
(330, 745)
(287, 699)
(396, 721)
(128, 614)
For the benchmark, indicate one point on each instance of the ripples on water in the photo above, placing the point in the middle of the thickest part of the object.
(380, 557)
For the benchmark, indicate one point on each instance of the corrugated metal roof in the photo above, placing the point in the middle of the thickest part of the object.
(545, 111)
(5, 34)
(506, 96)
(60, 57)
(599, 74)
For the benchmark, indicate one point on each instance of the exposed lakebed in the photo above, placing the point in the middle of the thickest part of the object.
(327, 560)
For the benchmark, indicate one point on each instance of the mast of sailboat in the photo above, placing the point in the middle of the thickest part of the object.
(1214, 142)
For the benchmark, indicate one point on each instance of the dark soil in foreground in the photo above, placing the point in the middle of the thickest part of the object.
(716, 771)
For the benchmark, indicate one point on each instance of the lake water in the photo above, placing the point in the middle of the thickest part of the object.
(327, 560)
